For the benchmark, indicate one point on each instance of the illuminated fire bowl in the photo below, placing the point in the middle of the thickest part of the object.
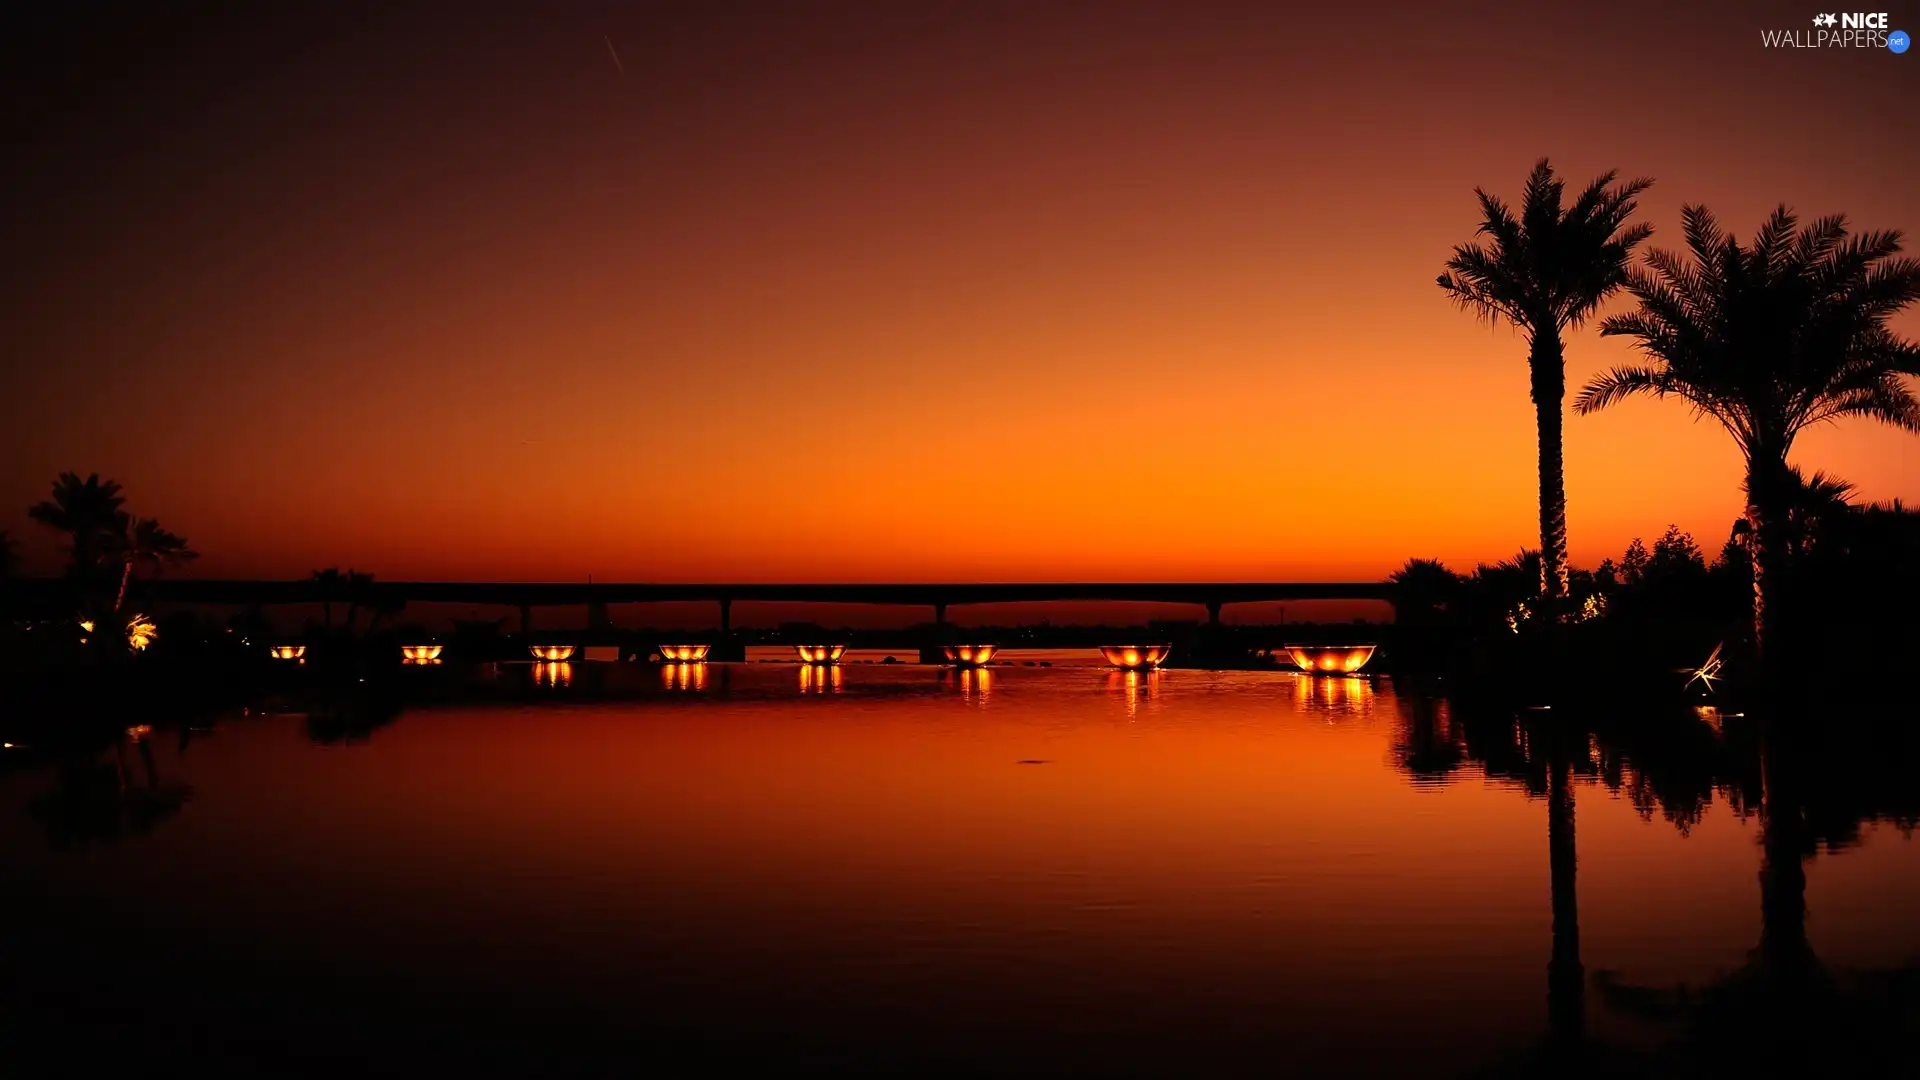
(820, 654)
(970, 655)
(684, 654)
(420, 654)
(288, 652)
(552, 654)
(1136, 657)
(1330, 659)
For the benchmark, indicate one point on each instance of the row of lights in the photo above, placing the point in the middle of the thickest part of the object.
(1321, 659)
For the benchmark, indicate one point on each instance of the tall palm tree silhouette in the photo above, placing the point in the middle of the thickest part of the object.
(88, 511)
(1545, 270)
(142, 542)
(1769, 339)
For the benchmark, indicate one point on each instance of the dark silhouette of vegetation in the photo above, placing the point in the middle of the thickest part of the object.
(101, 534)
(1545, 270)
(359, 592)
(142, 542)
(330, 582)
(96, 802)
(88, 512)
(1812, 764)
(1769, 339)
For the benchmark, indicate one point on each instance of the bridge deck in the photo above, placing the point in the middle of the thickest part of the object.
(540, 594)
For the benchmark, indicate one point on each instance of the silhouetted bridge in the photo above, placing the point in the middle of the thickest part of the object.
(596, 597)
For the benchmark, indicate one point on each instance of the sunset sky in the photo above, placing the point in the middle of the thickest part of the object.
(904, 292)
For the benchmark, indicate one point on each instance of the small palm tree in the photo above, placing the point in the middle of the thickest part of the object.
(142, 542)
(1770, 339)
(88, 511)
(329, 582)
(1422, 590)
(359, 588)
(1545, 271)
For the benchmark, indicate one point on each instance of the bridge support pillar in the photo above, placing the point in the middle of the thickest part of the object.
(726, 615)
(597, 617)
(939, 614)
(1213, 613)
(526, 618)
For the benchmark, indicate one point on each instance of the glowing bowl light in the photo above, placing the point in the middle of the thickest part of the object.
(552, 654)
(820, 654)
(1135, 657)
(684, 654)
(970, 655)
(421, 653)
(288, 652)
(1330, 659)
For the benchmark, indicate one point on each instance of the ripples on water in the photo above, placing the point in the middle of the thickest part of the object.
(1011, 870)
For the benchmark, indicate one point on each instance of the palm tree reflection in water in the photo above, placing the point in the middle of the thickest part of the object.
(94, 801)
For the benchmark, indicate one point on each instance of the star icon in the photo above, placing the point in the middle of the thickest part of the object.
(1826, 20)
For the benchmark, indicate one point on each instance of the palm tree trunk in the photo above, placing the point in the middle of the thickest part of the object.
(126, 576)
(1766, 475)
(1548, 363)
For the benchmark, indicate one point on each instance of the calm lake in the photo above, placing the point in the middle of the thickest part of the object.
(1020, 871)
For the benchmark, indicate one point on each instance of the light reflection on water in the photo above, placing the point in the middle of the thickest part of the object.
(1031, 870)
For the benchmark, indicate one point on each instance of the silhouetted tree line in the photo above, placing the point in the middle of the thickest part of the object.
(1846, 576)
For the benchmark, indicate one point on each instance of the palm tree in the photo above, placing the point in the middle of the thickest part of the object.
(1770, 339)
(358, 587)
(329, 582)
(88, 511)
(1422, 590)
(141, 541)
(1546, 271)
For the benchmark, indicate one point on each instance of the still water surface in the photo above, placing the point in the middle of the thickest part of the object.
(1019, 871)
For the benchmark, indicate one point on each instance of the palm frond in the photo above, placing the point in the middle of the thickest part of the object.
(1618, 385)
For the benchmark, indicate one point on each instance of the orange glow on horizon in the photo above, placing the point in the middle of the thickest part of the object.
(898, 242)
